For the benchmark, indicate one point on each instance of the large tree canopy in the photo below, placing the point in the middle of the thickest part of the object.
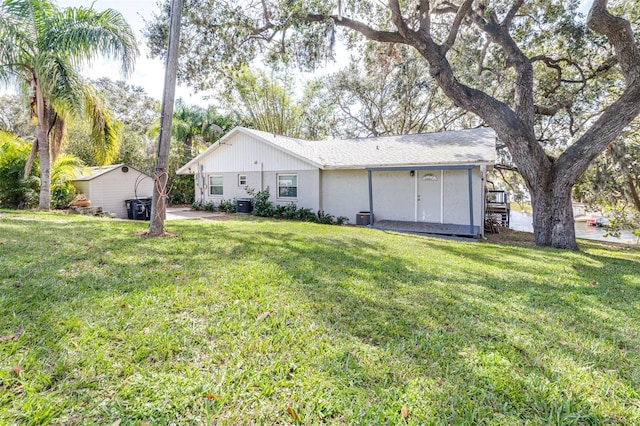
(41, 49)
(557, 90)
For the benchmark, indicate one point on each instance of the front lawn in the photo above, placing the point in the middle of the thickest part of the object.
(272, 322)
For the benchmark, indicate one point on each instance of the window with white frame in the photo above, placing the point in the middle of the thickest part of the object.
(242, 180)
(287, 186)
(215, 185)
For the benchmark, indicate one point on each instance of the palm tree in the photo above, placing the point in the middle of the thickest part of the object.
(42, 47)
(193, 125)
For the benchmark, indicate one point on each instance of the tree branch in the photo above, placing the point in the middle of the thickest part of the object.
(506, 23)
(425, 16)
(604, 131)
(361, 27)
(455, 28)
(621, 37)
(523, 88)
(398, 20)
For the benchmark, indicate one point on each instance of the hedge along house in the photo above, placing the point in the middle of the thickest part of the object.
(431, 182)
(110, 186)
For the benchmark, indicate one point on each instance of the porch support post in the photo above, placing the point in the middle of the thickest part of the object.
(370, 199)
(470, 175)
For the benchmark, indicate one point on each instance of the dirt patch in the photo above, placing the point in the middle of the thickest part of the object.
(511, 236)
(145, 234)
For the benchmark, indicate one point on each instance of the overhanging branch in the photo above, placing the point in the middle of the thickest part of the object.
(621, 37)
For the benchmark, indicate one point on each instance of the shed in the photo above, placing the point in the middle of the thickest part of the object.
(110, 186)
(433, 181)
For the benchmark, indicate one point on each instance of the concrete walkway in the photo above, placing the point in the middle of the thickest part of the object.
(174, 213)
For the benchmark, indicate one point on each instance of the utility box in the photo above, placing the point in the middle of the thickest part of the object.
(364, 218)
(244, 205)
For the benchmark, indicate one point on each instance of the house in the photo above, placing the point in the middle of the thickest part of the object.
(110, 186)
(434, 179)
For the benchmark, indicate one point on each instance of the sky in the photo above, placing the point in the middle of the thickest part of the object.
(148, 73)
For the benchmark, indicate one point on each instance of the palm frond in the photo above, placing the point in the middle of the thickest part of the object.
(60, 83)
(66, 167)
(84, 33)
(105, 129)
(15, 44)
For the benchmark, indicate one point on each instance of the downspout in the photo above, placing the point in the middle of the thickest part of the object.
(442, 196)
(416, 195)
(261, 176)
(370, 200)
(470, 177)
(320, 191)
(483, 183)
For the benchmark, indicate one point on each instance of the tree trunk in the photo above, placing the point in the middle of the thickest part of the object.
(158, 205)
(553, 221)
(30, 160)
(42, 139)
(45, 167)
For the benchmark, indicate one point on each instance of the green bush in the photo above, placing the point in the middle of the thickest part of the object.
(261, 205)
(227, 206)
(181, 190)
(16, 192)
(264, 208)
(325, 218)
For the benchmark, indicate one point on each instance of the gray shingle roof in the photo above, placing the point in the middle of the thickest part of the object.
(471, 146)
(459, 147)
(94, 172)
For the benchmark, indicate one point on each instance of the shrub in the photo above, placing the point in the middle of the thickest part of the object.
(342, 220)
(261, 205)
(286, 211)
(264, 208)
(325, 218)
(227, 206)
(181, 190)
(16, 192)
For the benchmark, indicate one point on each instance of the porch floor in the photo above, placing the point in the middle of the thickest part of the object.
(427, 228)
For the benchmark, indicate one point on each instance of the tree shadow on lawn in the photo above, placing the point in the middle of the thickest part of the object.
(469, 344)
(423, 315)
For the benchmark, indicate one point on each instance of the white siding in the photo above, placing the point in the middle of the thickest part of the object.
(242, 153)
(308, 187)
(446, 199)
(345, 192)
(456, 196)
(110, 190)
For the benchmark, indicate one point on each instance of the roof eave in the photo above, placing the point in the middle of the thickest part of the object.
(405, 165)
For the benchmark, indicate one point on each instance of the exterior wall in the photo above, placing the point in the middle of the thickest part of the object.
(456, 196)
(445, 199)
(261, 164)
(110, 190)
(242, 153)
(308, 187)
(345, 192)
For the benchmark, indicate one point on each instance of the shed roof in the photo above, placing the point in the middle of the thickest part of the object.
(473, 146)
(95, 172)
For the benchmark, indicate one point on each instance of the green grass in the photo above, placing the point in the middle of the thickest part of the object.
(270, 322)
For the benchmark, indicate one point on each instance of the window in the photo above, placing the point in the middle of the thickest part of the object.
(287, 186)
(242, 180)
(215, 185)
